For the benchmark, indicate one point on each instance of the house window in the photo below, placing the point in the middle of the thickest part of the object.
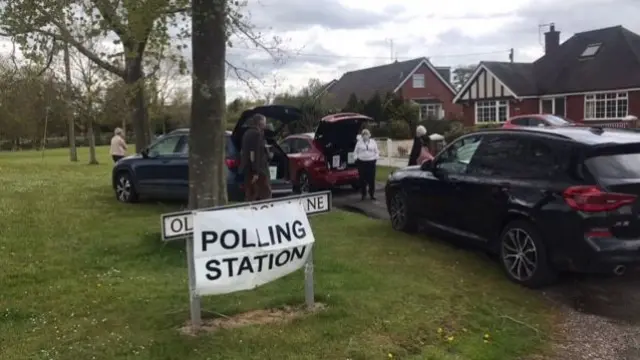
(591, 50)
(607, 106)
(430, 111)
(418, 80)
(492, 111)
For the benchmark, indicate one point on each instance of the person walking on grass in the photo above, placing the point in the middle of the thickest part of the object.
(254, 162)
(118, 148)
(366, 154)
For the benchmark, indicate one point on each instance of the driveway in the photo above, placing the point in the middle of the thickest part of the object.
(601, 314)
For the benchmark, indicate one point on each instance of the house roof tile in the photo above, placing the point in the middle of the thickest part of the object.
(616, 65)
(383, 79)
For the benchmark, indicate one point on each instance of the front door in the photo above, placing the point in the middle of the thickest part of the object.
(554, 106)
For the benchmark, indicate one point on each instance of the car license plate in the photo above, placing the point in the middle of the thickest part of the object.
(273, 172)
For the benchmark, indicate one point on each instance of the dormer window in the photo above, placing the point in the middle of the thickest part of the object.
(591, 50)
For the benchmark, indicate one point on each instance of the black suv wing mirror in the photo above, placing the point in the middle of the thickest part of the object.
(145, 153)
(427, 165)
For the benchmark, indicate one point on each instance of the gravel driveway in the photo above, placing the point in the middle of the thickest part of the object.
(601, 317)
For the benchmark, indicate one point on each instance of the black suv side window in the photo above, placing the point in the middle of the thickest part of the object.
(545, 159)
(519, 157)
(498, 155)
(455, 158)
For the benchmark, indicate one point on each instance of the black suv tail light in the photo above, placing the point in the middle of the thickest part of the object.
(593, 199)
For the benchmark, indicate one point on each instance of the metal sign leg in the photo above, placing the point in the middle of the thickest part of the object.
(309, 296)
(194, 299)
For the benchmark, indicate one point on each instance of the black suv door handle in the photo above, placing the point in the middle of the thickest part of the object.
(502, 187)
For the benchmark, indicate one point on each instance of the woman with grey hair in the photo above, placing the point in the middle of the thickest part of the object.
(118, 148)
(366, 154)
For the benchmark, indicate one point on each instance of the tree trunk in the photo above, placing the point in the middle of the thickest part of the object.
(207, 182)
(92, 142)
(73, 153)
(136, 102)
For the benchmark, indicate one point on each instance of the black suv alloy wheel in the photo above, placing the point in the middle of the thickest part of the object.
(124, 189)
(523, 255)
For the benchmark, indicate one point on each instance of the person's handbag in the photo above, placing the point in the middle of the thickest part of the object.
(424, 155)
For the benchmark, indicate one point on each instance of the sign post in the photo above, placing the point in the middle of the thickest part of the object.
(180, 225)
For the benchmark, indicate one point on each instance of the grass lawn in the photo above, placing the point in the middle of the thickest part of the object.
(382, 173)
(85, 277)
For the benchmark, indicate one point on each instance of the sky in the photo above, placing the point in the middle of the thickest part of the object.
(324, 38)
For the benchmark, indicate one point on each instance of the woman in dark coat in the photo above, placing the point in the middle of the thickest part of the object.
(418, 143)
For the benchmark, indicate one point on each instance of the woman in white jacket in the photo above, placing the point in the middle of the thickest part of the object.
(366, 154)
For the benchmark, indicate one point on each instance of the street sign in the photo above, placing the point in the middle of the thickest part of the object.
(179, 225)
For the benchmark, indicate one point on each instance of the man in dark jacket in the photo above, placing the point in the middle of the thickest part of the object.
(255, 160)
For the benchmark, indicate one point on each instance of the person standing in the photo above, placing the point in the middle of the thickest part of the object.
(118, 148)
(367, 154)
(418, 145)
(254, 162)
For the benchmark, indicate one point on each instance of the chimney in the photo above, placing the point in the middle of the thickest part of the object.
(551, 39)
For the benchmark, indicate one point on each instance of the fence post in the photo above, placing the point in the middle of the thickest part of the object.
(389, 150)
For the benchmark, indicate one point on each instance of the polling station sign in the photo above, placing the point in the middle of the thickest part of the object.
(178, 225)
(241, 248)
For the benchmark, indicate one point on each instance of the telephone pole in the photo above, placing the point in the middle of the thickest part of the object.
(511, 55)
(390, 41)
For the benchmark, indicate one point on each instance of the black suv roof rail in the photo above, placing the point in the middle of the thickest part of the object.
(530, 130)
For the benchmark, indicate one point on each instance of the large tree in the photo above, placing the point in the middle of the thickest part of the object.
(137, 26)
(461, 74)
(207, 186)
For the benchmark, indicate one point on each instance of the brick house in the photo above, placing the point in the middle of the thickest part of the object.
(415, 80)
(593, 77)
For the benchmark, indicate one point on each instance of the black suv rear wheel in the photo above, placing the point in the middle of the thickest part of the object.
(523, 255)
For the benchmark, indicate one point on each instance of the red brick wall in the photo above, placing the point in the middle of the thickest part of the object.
(433, 88)
(574, 106)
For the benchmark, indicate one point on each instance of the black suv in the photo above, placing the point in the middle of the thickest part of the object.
(544, 199)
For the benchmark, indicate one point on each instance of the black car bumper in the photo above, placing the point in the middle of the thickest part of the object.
(604, 255)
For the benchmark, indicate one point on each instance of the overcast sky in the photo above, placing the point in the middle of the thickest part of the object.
(325, 38)
(334, 36)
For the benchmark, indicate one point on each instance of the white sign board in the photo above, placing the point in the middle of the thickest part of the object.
(242, 248)
(179, 225)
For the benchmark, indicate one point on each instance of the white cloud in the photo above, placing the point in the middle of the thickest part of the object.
(325, 38)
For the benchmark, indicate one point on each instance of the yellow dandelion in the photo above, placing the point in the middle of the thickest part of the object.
(487, 336)
(486, 341)
(439, 330)
(464, 329)
(450, 338)
(390, 356)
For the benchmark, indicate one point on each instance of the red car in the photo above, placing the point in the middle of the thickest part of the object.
(537, 120)
(324, 158)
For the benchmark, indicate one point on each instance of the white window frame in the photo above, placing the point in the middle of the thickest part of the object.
(553, 104)
(591, 50)
(418, 81)
(497, 104)
(434, 109)
(604, 99)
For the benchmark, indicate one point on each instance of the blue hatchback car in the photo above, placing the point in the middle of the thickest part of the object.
(162, 170)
